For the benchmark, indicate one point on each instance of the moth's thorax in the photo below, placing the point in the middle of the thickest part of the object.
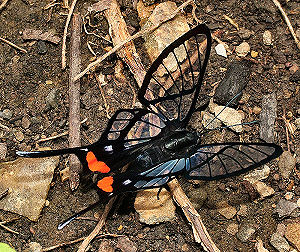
(175, 144)
(181, 140)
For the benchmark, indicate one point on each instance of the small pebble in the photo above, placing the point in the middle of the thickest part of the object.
(25, 122)
(243, 49)
(220, 50)
(256, 110)
(244, 33)
(288, 195)
(267, 38)
(254, 54)
(232, 228)
(6, 114)
(19, 136)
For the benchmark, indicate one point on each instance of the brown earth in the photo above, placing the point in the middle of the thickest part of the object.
(24, 92)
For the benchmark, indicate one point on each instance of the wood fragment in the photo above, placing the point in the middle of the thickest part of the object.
(13, 45)
(63, 50)
(118, 32)
(135, 36)
(200, 233)
(40, 35)
(3, 4)
(74, 100)
(99, 226)
(286, 19)
(231, 21)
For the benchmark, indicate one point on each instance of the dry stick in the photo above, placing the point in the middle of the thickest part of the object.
(63, 50)
(199, 230)
(75, 241)
(13, 45)
(3, 194)
(59, 135)
(118, 32)
(286, 19)
(8, 229)
(3, 4)
(99, 226)
(135, 36)
(74, 100)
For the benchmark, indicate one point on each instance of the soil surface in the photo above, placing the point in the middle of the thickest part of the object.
(34, 96)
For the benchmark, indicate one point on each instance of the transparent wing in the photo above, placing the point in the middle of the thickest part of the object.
(172, 84)
(129, 127)
(216, 161)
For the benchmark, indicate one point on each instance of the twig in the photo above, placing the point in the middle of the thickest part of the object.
(8, 229)
(53, 137)
(200, 233)
(77, 240)
(106, 106)
(286, 19)
(99, 226)
(135, 36)
(63, 50)
(231, 21)
(118, 32)
(13, 45)
(3, 194)
(59, 135)
(286, 130)
(3, 4)
(74, 100)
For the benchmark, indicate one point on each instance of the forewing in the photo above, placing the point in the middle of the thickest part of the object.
(172, 84)
(216, 161)
(129, 127)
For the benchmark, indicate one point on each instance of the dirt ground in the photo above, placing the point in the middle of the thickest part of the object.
(24, 92)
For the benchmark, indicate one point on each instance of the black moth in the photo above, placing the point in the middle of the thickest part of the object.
(154, 142)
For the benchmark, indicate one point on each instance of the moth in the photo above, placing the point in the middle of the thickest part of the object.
(154, 141)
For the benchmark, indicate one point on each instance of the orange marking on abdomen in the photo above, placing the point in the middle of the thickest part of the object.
(95, 165)
(105, 184)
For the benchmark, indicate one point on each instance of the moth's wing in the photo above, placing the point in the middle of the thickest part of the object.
(216, 161)
(172, 84)
(129, 127)
(126, 132)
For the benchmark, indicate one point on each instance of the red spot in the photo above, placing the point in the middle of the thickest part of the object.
(105, 184)
(95, 165)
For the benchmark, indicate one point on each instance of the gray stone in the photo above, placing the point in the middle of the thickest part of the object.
(126, 245)
(236, 78)
(286, 164)
(245, 232)
(284, 208)
(279, 242)
(258, 174)
(245, 33)
(6, 114)
(52, 98)
(267, 117)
